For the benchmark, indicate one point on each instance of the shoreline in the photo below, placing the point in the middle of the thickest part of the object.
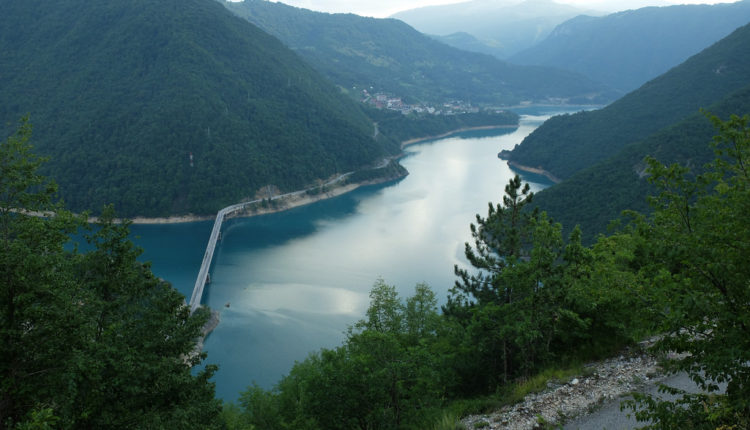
(536, 170)
(301, 198)
(293, 200)
(408, 142)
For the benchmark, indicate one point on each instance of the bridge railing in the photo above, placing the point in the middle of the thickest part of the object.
(200, 282)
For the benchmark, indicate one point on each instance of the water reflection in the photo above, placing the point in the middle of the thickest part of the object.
(300, 298)
(295, 280)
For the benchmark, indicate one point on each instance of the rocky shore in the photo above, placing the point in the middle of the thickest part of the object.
(602, 382)
(211, 324)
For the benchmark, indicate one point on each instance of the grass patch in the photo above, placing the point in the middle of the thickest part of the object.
(449, 421)
(515, 392)
(474, 406)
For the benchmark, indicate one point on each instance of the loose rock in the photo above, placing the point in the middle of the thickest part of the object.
(605, 380)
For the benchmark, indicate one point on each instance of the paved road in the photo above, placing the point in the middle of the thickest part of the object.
(610, 417)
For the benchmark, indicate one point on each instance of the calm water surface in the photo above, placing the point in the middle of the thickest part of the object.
(290, 283)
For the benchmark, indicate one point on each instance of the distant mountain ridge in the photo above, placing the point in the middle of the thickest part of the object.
(597, 195)
(501, 28)
(566, 144)
(386, 54)
(628, 48)
(467, 42)
(600, 153)
(170, 106)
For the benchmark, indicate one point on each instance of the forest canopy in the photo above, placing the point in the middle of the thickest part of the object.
(533, 301)
(94, 339)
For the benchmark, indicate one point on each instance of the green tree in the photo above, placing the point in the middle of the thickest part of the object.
(501, 240)
(604, 291)
(88, 340)
(513, 334)
(699, 288)
(532, 300)
(135, 366)
(505, 305)
(39, 298)
(384, 376)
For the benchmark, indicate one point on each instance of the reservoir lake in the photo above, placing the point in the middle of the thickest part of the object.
(290, 283)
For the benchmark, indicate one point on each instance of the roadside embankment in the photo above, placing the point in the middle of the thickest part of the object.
(601, 383)
(536, 170)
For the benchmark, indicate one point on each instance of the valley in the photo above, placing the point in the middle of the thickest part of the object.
(443, 211)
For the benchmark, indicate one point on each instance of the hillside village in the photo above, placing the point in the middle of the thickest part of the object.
(381, 100)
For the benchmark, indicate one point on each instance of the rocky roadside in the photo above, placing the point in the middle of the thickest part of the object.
(601, 383)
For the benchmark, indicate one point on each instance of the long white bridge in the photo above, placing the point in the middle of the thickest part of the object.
(200, 283)
(203, 273)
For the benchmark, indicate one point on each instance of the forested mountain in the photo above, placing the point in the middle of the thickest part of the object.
(627, 49)
(387, 55)
(567, 144)
(502, 27)
(167, 106)
(599, 194)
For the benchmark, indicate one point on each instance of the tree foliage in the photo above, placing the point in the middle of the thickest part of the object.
(386, 375)
(501, 240)
(89, 340)
(531, 300)
(700, 290)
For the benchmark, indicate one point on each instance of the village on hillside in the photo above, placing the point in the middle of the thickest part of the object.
(382, 100)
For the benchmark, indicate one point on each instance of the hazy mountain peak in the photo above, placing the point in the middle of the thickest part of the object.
(505, 26)
(387, 55)
(627, 48)
(587, 138)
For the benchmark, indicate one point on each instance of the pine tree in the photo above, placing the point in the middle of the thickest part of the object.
(90, 340)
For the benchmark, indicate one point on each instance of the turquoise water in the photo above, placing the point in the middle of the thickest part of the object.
(290, 283)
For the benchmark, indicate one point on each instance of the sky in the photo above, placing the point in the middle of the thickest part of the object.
(384, 8)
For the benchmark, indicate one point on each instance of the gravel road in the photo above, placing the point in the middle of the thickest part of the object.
(610, 417)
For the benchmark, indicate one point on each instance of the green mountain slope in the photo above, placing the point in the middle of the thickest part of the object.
(388, 55)
(597, 195)
(629, 48)
(567, 144)
(122, 93)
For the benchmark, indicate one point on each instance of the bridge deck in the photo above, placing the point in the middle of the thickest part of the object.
(200, 282)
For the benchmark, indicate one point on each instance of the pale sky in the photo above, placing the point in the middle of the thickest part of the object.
(384, 8)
